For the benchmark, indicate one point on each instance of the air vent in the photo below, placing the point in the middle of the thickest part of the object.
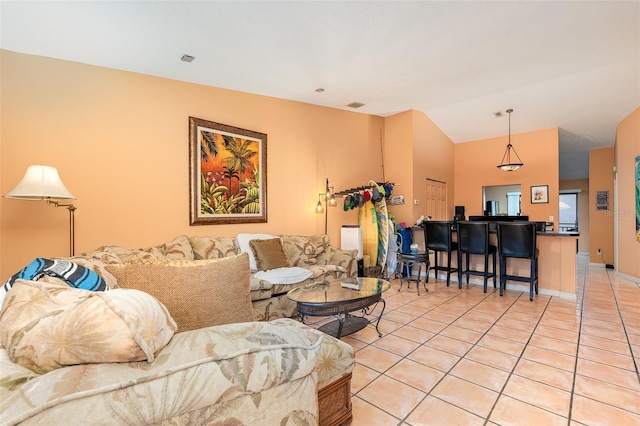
(187, 58)
(355, 105)
(498, 114)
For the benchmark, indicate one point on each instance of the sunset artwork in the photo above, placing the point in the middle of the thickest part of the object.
(229, 174)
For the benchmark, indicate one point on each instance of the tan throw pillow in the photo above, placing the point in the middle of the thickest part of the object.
(197, 293)
(47, 325)
(269, 254)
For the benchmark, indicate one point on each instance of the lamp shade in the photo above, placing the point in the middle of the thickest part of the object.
(40, 183)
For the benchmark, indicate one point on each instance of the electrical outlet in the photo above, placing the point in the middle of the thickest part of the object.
(599, 251)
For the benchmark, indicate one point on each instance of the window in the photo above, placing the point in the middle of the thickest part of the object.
(568, 212)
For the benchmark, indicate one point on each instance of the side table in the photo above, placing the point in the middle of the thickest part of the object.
(408, 260)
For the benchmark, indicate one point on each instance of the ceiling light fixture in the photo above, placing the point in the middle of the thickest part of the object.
(507, 165)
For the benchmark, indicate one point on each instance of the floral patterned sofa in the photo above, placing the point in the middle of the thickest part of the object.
(276, 372)
(269, 301)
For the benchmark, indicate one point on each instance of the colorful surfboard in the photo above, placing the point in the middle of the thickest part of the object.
(382, 218)
(368, 221)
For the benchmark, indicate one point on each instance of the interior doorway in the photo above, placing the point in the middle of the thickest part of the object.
(436, 200)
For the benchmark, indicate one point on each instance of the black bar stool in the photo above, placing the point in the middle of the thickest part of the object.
(437, 237)
(473, 238)
(518, 240)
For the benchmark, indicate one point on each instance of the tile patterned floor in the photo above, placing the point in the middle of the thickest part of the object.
(463, 357)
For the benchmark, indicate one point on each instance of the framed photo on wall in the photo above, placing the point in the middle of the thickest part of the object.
(540, 194)
(228, 174)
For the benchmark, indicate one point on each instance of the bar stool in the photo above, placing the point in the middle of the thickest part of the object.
(518, 240)
(437, 238)
(473, 238)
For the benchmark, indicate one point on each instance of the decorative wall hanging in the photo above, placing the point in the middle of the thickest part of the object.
(228, 174)
(540, 194)
(602, 200)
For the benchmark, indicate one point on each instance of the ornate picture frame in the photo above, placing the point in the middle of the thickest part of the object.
(228, 174)
(540, 194)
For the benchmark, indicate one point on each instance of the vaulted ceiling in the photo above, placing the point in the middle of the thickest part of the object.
(574, 65)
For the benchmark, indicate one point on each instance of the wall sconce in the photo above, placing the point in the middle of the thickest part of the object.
(42, 183)
(329, 201)
(507, 165)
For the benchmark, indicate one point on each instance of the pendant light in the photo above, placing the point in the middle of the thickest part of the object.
(507, 164)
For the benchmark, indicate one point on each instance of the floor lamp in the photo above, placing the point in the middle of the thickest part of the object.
(329, 201)
(42, 183)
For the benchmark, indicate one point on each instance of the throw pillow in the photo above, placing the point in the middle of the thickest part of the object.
(243, 243)
(269, 254)
(47, 325)
(197, 293)
(73, 274)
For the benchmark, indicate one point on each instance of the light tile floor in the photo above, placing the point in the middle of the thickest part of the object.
(451, 356)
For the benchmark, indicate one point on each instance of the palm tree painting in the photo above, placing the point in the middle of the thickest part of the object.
(228, 174)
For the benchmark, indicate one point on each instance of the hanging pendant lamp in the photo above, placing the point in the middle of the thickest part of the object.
(507, 164)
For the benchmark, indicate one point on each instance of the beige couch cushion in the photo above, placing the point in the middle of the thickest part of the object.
(197, 293)
(269, 254)
(46, 326)
(213, 247)
(302, 250)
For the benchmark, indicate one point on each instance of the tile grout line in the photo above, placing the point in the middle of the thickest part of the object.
(511, 373)
(583, 290)
(402, 420)
(624, 326)
(494, 323)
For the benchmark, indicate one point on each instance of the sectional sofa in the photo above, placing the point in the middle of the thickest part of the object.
(198, 351)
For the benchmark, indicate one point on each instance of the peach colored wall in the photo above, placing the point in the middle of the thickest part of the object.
(398, 154)
(627, 149)
(583, 210)
(601, 222)
(120, 142)
(433, 159)
(475, 167)
(416, 149)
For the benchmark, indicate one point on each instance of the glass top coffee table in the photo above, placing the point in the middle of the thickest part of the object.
(339, 299)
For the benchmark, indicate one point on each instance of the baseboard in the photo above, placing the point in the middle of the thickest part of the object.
(628, 277)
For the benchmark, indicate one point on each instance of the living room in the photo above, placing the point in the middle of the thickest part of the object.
(120, 141)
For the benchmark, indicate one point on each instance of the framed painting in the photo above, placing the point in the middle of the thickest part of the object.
(540, 194)
(228, 174)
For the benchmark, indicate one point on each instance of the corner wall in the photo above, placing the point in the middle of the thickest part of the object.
(627, 149)
(416, 149)
(601, 221)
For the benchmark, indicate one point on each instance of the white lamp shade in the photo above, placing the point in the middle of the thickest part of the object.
(40, 183)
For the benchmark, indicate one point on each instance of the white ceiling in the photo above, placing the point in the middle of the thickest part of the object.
(568, 64)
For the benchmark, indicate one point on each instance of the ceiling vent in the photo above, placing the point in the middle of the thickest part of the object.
(498, 114)
(187, 58)
(355, 105)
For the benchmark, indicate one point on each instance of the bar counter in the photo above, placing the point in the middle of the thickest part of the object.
(556, 263)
